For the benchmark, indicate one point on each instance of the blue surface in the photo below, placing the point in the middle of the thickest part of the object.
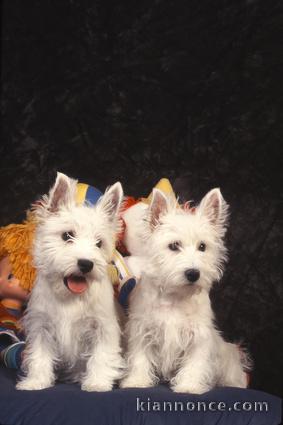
(68, 405)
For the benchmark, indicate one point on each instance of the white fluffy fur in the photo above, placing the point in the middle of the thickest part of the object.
(73, 336)
(171, 332)
(135, 231)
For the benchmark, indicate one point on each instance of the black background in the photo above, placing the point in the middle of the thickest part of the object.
(136, 90)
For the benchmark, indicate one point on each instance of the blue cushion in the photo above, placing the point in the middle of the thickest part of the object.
(68, 405)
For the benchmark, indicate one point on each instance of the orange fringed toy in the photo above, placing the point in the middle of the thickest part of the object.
(16, 280)
(16, 271)
(15, 243)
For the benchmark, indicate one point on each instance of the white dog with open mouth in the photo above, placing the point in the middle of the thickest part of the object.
(71, 322)
(171, 332)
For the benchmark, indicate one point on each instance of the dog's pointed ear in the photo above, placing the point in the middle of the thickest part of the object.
(111, 201)
(214, 207)
(62, 193)
(158, 207)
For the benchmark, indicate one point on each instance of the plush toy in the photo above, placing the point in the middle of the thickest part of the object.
(131, 242)
(15, 245)
(16, 280)
(132, 216)
(12, 294)
(12, 299)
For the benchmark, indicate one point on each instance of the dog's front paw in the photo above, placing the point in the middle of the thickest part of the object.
(190, 388)
(99, 387)
(136, 382)
(31, 384)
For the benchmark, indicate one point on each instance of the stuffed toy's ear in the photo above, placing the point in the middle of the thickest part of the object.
(214, 207)
(111, 201)
(158, 207)
(62, 193)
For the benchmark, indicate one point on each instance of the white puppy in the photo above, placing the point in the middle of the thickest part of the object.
(171, 332)
(71, 323)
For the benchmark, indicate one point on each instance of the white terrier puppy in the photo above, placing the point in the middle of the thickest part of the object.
(171, 332)
(71, 323)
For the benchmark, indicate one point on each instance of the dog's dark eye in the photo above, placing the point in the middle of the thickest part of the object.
(202, 246)
(99, 243)
(68, 236)
(174, 246)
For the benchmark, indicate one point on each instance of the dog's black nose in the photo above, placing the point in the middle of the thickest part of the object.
(85, 266)
(192, 275)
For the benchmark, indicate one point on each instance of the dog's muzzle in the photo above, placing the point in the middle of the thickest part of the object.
(77, 283)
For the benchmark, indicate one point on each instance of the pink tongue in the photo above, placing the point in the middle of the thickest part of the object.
(77, 285)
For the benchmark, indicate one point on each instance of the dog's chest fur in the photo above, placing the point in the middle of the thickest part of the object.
(170, 339)
(169, 325)
(75, 336)
(74, 323)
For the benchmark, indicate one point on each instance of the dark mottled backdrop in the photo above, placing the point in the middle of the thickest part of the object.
(135, 90)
